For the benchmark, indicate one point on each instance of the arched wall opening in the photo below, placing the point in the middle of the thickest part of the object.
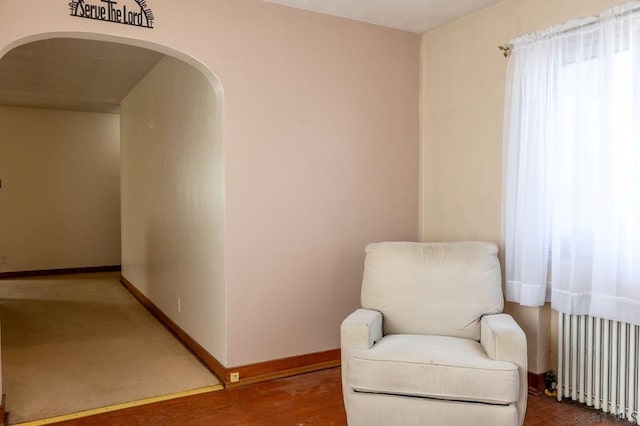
(172, 193)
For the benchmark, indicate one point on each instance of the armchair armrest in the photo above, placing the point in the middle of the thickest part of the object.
(361, 330)
(503, 339)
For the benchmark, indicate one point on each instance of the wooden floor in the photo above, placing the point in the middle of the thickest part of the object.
(308, 399)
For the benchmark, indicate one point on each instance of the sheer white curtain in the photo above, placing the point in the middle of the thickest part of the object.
(572, 167)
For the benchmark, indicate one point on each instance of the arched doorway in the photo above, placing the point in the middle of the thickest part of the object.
(172, 175)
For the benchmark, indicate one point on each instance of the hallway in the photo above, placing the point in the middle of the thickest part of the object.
(81, 342)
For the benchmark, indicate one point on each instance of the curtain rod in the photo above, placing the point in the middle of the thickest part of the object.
(506, 49)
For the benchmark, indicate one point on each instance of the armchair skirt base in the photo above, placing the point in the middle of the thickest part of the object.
(371, 409)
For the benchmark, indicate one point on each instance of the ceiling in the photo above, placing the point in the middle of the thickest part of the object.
(73, 74)
(87, 75)
(417, 16)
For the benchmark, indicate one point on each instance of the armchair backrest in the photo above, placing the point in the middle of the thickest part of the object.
(432, 288)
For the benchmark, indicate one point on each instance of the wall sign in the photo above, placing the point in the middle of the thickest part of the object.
(111, 11)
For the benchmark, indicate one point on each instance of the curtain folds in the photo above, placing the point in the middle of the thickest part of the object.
(572, 167)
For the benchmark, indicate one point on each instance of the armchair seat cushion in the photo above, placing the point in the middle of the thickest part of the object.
(440, 367)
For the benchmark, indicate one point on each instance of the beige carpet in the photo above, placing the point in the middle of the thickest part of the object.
(78, 342)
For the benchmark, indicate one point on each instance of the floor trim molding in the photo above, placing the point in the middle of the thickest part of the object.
(285, 367)
(62, 271)
(248, 374)
(201, 353)
(3, 414)
(537, 382)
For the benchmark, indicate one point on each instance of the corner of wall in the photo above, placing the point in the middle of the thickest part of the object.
(421, 149)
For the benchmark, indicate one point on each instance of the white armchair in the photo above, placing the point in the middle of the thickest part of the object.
(430, 345)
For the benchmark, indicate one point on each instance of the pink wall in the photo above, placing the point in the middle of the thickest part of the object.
(328, 163)
(321, 147)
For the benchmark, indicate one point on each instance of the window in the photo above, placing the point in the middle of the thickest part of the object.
(572, 167)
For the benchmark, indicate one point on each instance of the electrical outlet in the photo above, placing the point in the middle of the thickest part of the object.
(234, 377)
(3, 259)
(179, 305)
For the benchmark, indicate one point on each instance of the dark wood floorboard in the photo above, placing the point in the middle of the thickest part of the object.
(543, 410)
(307, 399)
